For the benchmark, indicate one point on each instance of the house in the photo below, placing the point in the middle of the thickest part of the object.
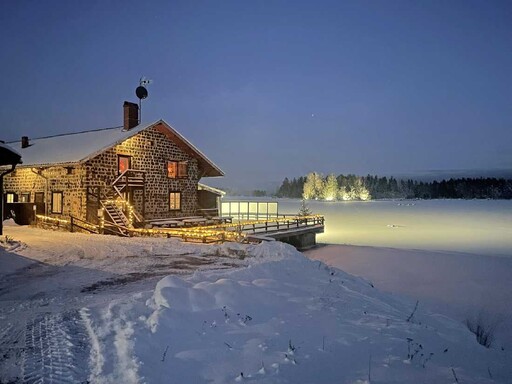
(127, 174)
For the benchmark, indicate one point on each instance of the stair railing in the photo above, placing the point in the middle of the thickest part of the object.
(128, 208)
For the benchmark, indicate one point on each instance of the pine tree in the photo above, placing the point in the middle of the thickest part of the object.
(313, 186)
(304, 209)
(330, 188)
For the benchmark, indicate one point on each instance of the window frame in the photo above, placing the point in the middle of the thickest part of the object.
(14, 197)
(175, 163)
(61, 202)
(25, 194)
(36, 194)
(180, 197)
(178, 169)
(119, 157)
(180, 165)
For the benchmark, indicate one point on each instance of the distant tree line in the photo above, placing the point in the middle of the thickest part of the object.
(291, 188)
(352, 187)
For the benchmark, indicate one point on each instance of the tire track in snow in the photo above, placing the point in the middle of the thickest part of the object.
(111, 341)
(55, 347)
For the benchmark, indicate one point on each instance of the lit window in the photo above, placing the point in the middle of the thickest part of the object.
(176, 169)
(9, 197)
(174, 201)
(172, 169)
(25, 198)
(56, 202)
(123, 163)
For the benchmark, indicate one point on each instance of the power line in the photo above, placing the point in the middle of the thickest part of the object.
(67, 134)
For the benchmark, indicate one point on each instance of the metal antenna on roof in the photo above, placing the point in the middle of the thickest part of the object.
(142, 93)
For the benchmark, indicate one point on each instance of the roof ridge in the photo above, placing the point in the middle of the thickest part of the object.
(67, 134)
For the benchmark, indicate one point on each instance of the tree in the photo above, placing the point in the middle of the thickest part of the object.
(284, 189)
(304, 209)
(313, 186)
(360, 190)
(330, 188)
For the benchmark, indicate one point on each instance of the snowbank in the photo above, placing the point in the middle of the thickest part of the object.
(281, 319)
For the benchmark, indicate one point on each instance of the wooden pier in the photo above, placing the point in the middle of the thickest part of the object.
(295, 230)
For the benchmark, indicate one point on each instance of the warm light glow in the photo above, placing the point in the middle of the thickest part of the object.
(54, 219)
(123, 163)
(207, 233)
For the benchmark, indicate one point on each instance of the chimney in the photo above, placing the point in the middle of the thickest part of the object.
(131, 115)
(24, 142)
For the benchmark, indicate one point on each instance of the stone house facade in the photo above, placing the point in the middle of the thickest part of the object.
(150, 166)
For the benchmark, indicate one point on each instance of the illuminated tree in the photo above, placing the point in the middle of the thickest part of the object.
(330, 188)
(304, 209)
(359, 190)
(313, 186)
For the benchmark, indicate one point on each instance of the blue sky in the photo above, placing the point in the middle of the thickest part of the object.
(269, 89)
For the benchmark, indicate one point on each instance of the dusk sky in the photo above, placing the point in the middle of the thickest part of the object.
(268, 89)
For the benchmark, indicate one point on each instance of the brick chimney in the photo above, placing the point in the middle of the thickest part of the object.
(131, 115)
(25, 142)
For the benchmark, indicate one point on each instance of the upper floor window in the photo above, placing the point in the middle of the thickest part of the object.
(123, 163)
(176, 169)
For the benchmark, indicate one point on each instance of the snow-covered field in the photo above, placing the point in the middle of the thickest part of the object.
(455, 256)
(482, 227)
(78, 308)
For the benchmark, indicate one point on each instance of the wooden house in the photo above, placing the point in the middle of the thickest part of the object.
(127, 174)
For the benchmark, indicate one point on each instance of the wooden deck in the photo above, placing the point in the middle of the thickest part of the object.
(299, 231)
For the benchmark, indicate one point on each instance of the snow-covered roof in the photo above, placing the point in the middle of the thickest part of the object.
(204, 187)
(73, 148)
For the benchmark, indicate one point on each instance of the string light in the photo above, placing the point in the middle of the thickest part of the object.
(54, 219)
(214, 233)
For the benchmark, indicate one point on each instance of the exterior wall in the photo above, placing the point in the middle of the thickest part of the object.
(52, 179)
(149, 150)
(208, 200)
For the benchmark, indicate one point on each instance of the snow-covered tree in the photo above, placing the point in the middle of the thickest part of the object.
(313, 186)
(304, 209)
(359, 190)
(330, 188)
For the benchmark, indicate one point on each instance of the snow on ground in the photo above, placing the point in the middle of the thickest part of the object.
(77, 308)
(47, 277)
(282, 319)
(460, 285)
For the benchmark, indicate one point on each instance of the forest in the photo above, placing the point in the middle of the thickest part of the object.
(352, 187)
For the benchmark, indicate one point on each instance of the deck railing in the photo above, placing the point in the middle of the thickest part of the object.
(235, 231)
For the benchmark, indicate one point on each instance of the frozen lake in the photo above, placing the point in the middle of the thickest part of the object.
(440, 252)
(481, 227)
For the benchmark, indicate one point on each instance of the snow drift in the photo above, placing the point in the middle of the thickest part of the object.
(280, 319)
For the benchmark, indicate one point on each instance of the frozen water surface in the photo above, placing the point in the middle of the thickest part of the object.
(482, 227)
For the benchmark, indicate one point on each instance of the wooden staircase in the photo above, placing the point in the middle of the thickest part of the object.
(115, 204)
(117, 217)
(129, 178)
